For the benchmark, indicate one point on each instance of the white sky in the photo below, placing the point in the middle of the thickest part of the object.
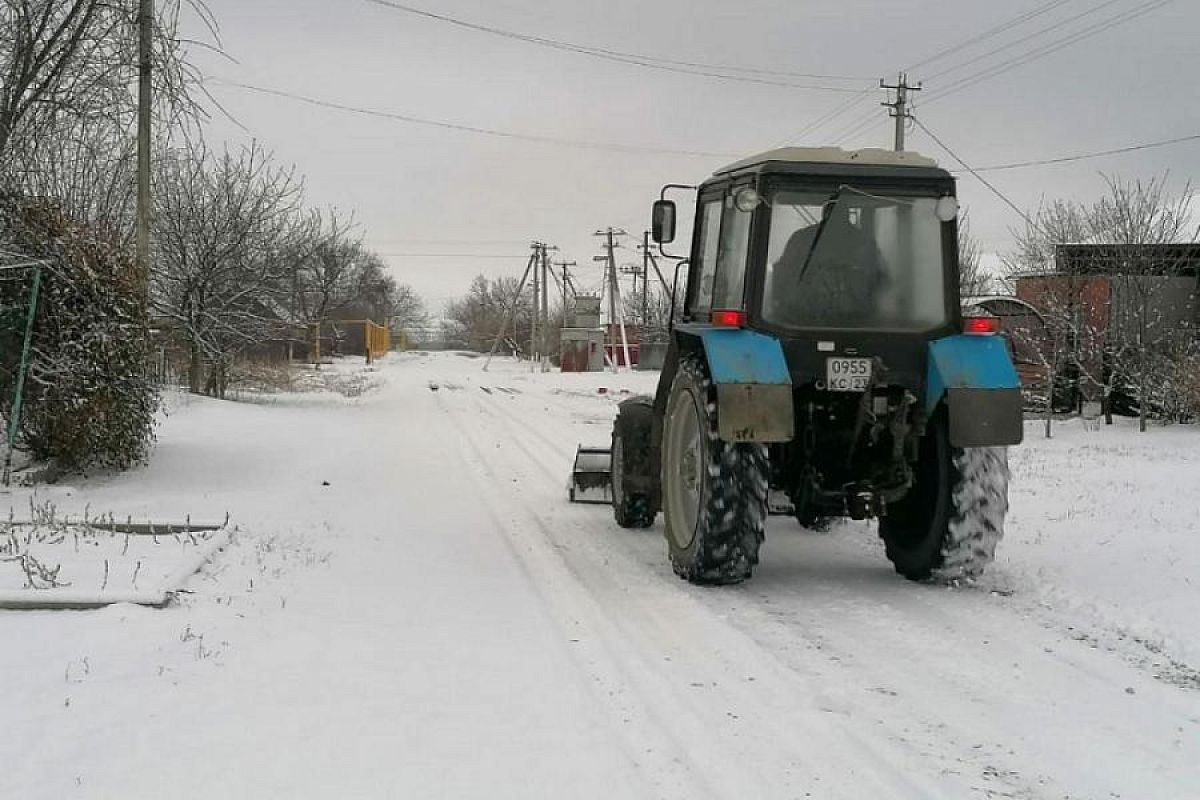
(420, 190)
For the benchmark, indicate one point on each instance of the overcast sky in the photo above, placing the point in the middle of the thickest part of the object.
(418, 190)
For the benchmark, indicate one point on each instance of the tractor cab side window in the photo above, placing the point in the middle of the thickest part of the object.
(730, 285)
(704, 269)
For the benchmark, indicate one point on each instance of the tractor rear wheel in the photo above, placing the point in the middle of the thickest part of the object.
(634, 468)
(950, 522)
(714, 492)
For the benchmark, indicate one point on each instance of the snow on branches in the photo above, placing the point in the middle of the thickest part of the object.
(88, 400)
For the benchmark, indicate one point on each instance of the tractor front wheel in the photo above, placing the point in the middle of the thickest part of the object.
(634, 468)
(714, 492)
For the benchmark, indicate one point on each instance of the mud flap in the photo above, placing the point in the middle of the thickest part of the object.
(985, 417)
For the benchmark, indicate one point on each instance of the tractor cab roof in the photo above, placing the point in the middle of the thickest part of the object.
(835, 161)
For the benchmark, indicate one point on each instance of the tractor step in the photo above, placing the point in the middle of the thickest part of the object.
(591, 477)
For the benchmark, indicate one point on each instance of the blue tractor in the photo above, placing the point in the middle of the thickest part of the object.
(821, 356)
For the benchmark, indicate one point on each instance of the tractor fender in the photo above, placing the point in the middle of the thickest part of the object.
(750, 373)
(974, 377)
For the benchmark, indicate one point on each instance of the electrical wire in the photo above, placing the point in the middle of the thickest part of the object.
(1017, 42)
(867, 121)
(528, 137)
(975, 173)
(871, 118)
(1086, 156)
(716, 71)
(825, 119)
(863, 122)
(989, 33)
(1048, 49)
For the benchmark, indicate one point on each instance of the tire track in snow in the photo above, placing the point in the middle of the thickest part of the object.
(647, 744)
(711, 682)
(946, 650)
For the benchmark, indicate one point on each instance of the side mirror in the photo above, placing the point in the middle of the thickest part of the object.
(662, 222)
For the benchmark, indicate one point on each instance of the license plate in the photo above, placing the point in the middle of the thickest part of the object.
(847, 374)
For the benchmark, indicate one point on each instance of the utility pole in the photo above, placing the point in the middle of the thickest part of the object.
(512, 308)
(636, 272)
(533, 328)
(616, 314)
(145, 88)
(566, 285)
(546, 344)
(645, 282)
(899, 108)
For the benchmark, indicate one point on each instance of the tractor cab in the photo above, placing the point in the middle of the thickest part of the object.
(820, 353)
(854, 251)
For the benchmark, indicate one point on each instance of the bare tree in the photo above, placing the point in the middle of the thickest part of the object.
(53, 56)
(474, 321)
(1107, 279)
(408, 310)
(650, 310)
(222, 223)
(62, 61)
(1057, 296)
(67, 115)
(331, 274)
(973, 280)
(1142, 227)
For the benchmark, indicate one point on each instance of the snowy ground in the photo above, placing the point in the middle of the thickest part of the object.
(412, 609)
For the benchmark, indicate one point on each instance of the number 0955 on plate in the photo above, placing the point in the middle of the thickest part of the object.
(847, 374)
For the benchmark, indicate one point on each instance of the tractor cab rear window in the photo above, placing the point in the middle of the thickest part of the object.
(854, 259)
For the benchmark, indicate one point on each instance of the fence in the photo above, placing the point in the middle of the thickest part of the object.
(379, 340)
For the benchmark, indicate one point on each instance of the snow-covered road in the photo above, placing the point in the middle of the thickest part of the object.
(438, 621)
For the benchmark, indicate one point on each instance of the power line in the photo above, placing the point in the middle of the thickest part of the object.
(1086, 156)
(1009, 45)
(1048, 49)
(1023, 40)
(700, 69)
(975, 173)
(869, 120)
(862, 123)
(989, 33)
(825, 118)
(528, 137)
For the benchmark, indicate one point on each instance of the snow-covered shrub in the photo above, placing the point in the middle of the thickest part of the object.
(1179, 386)
(89, 401)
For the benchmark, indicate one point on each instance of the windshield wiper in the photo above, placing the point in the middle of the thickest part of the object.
(827, 215)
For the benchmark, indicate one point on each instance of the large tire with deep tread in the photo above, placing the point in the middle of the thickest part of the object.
(953, 517)
(714, 492)
(634, 467)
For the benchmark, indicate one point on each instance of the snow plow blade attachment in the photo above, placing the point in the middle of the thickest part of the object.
(591, 477)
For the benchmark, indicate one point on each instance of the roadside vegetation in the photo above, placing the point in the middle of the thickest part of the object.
(244, 267)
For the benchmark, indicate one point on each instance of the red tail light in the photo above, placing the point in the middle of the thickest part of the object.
(729, 319)
(981, 326)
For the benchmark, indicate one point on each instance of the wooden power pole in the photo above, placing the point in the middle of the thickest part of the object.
(145, 99)
(615, 311)
(533, 328)
(546, 343)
